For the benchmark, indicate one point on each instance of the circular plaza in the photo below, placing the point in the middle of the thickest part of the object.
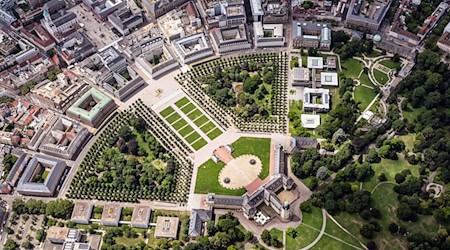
(240, 171)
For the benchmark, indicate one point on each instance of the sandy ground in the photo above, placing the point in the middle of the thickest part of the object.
(240, 172)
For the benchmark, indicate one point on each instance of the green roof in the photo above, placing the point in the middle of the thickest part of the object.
(102, 102)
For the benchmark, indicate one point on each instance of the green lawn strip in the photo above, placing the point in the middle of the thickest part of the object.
(185, 131)
(188, 108)
(390, 64)
(173, 117)
(306, 234)
(254, 146)
(199, 144)
(364, 94)
(351, 68)
(214, 133)
(192, 137)
(166, 112)
(390, 168)
(183, 101)
(207, 127)
(179, 124)
(194, 114)
(201, 120)
(337, 232)
(208, 182)
(381, 77)
(45, 174)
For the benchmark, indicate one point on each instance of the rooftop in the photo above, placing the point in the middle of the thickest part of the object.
(329, 79)
(82, 210)
(90, 104)
(141, 215)
(315, 62)
(111, 213)
(166, 227)
(310, 121)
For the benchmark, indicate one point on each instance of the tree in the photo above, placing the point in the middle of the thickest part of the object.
(442, 214)
(371, 245)
(367, 231)
(59, 208)
(372, 156)
(40, 235)
(292, 232)
(382, 177)
(385, 151)
(404, 212)
(27, 244)
(266, 237)
(10, 245)
(220, 240)
(393, 228)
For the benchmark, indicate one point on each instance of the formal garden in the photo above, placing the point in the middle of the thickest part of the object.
(207, 176)
(209, 130)
(130, 161)
(249, 91)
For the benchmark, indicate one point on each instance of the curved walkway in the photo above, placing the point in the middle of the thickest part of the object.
(381, 183)
(322, 231)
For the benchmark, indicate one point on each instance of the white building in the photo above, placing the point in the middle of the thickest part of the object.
(315, 62)
(310, 121)
(193, 48)
(316, 100)
(268, 35)
(231, 38)
(300, 76)
(257, 10)
(329, 79)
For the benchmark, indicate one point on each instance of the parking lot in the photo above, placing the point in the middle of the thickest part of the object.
(100, 33)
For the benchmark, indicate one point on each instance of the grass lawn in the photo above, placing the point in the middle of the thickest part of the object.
(45, 174)
(185, 131)
(254, 146)
(199, 144)
(208, 127)
(380, 76)
(128, 242)
(390, 168)
(173, 117)
(214, 134)
(336, 231)
(411, 113)
(409, 140)
(192, 137)
(166, 112)
(327, 242)
(194, 114)
(364, 95)
(351, 68)
(390, 64)
(276, 233)
(188, 108)
(180, 103)
(201, 120)
(294, 62)
(179, 124)
(306, 235)
(208, 182)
